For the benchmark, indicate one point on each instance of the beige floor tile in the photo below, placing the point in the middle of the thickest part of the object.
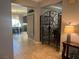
(27, 49)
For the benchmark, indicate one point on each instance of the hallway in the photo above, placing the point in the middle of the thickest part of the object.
(25, 48)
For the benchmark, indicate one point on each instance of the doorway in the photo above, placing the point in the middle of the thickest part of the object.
(22, 27)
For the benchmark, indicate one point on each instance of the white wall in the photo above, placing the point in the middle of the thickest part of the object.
(6, 44)
(70, 12)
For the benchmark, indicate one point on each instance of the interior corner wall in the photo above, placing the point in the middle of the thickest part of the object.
(6, 42)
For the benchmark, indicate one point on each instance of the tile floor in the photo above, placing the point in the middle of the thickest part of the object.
(25, 48)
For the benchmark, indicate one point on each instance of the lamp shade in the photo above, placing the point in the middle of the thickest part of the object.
(69, 29)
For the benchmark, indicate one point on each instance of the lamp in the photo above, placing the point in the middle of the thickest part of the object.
(68, 30)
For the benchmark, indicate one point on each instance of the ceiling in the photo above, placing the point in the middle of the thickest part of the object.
(18, 6)
(36, 3)
(57, 6)
(37, 0)
(18, 9)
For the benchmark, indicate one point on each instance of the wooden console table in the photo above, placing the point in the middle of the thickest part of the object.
(65, 52)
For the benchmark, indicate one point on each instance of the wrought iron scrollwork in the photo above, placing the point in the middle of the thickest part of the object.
(50, 26)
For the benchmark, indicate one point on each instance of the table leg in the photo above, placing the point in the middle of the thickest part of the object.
(63, 52)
